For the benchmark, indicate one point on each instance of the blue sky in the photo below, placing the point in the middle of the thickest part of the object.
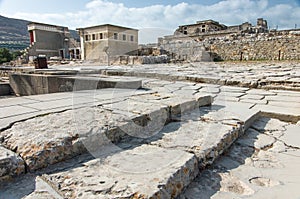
(154, 18)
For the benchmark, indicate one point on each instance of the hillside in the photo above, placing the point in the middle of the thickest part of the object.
(14, 34)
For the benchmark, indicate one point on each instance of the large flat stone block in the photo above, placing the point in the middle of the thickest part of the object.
(33, 84)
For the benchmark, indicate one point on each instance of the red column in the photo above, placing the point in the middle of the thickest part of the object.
(31, 37)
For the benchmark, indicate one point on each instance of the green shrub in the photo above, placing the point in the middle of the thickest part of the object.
(5, 55)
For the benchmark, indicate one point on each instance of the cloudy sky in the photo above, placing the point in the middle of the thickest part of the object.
(156, 17)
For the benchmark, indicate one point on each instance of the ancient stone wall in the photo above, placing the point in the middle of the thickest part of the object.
(279, 45)
(185, 49)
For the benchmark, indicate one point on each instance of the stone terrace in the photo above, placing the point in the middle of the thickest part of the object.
(152, 142)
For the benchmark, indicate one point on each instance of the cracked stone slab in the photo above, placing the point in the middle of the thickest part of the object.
(286, 114)
(283, 99)
(252, 97)
(254, 102)
(16, 101)
(47, 139)
(269, 124)
(245, 172)
(128, 174)
(291, 136)
(222, 111)
(233, 89)
(15, 110)
(260, 92)
(10, 164)
(295, 105)
(256, 139)
(207, 140)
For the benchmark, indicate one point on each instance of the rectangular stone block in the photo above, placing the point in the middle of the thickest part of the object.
(129, 174)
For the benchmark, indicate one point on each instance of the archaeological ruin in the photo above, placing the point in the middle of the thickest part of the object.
(114, 123)
(210, 40)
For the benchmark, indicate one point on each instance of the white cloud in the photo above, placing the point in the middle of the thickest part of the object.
(169, 17)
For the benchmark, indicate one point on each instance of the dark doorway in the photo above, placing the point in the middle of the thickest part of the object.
(62, 54)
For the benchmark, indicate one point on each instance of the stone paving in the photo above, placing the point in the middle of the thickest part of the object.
(263, 163)
(147, 143)
(276, 75)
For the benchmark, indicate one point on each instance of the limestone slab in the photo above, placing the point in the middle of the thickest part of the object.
(15, 110)
(265, 124)
(129, 174)
(249, 174)
(283, 113)
(256, 139)
(282, 98)
(207, 140)
(16, 101)
(252, 96)
(295, 105)
(261, 92)
(11, 164)
(233, 89)
(253, 101)
(291, 136)
(286, 93)
(225, 110)
(49, 139)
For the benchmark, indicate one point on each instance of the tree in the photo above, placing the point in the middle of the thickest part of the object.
(16, 54)
(5, 55)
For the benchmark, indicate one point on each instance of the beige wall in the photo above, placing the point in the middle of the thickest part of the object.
(94, 48)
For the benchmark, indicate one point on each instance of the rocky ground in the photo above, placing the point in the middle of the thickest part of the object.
(258, 165)
(157, 141)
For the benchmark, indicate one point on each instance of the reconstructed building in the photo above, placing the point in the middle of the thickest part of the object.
(200, 27)
(208, 27)
(99, 43)
(52, 41)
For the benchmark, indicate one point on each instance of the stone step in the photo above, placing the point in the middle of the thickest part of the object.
(51, 138)
(160, 166)
(53, 81)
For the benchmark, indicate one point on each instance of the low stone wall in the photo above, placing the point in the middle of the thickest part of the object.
(185, 50)
(5, 89)
(281, 46)
(33, 84)
(131, 60)
(276, 45)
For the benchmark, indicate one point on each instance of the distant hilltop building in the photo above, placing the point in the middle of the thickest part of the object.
(214, 27)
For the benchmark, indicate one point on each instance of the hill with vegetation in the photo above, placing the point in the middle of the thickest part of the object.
(14, 34)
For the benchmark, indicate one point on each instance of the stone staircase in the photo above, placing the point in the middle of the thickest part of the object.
(122, 143)
(26, 51)
(150, 144)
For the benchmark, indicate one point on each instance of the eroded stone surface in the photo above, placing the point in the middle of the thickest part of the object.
(46, 140)
(255, 166)
(129, 174)
(11, 164)
(121, 116)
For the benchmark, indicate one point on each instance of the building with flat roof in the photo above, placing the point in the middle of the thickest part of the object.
(209, 27)
(52, 41)
(102, 42)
